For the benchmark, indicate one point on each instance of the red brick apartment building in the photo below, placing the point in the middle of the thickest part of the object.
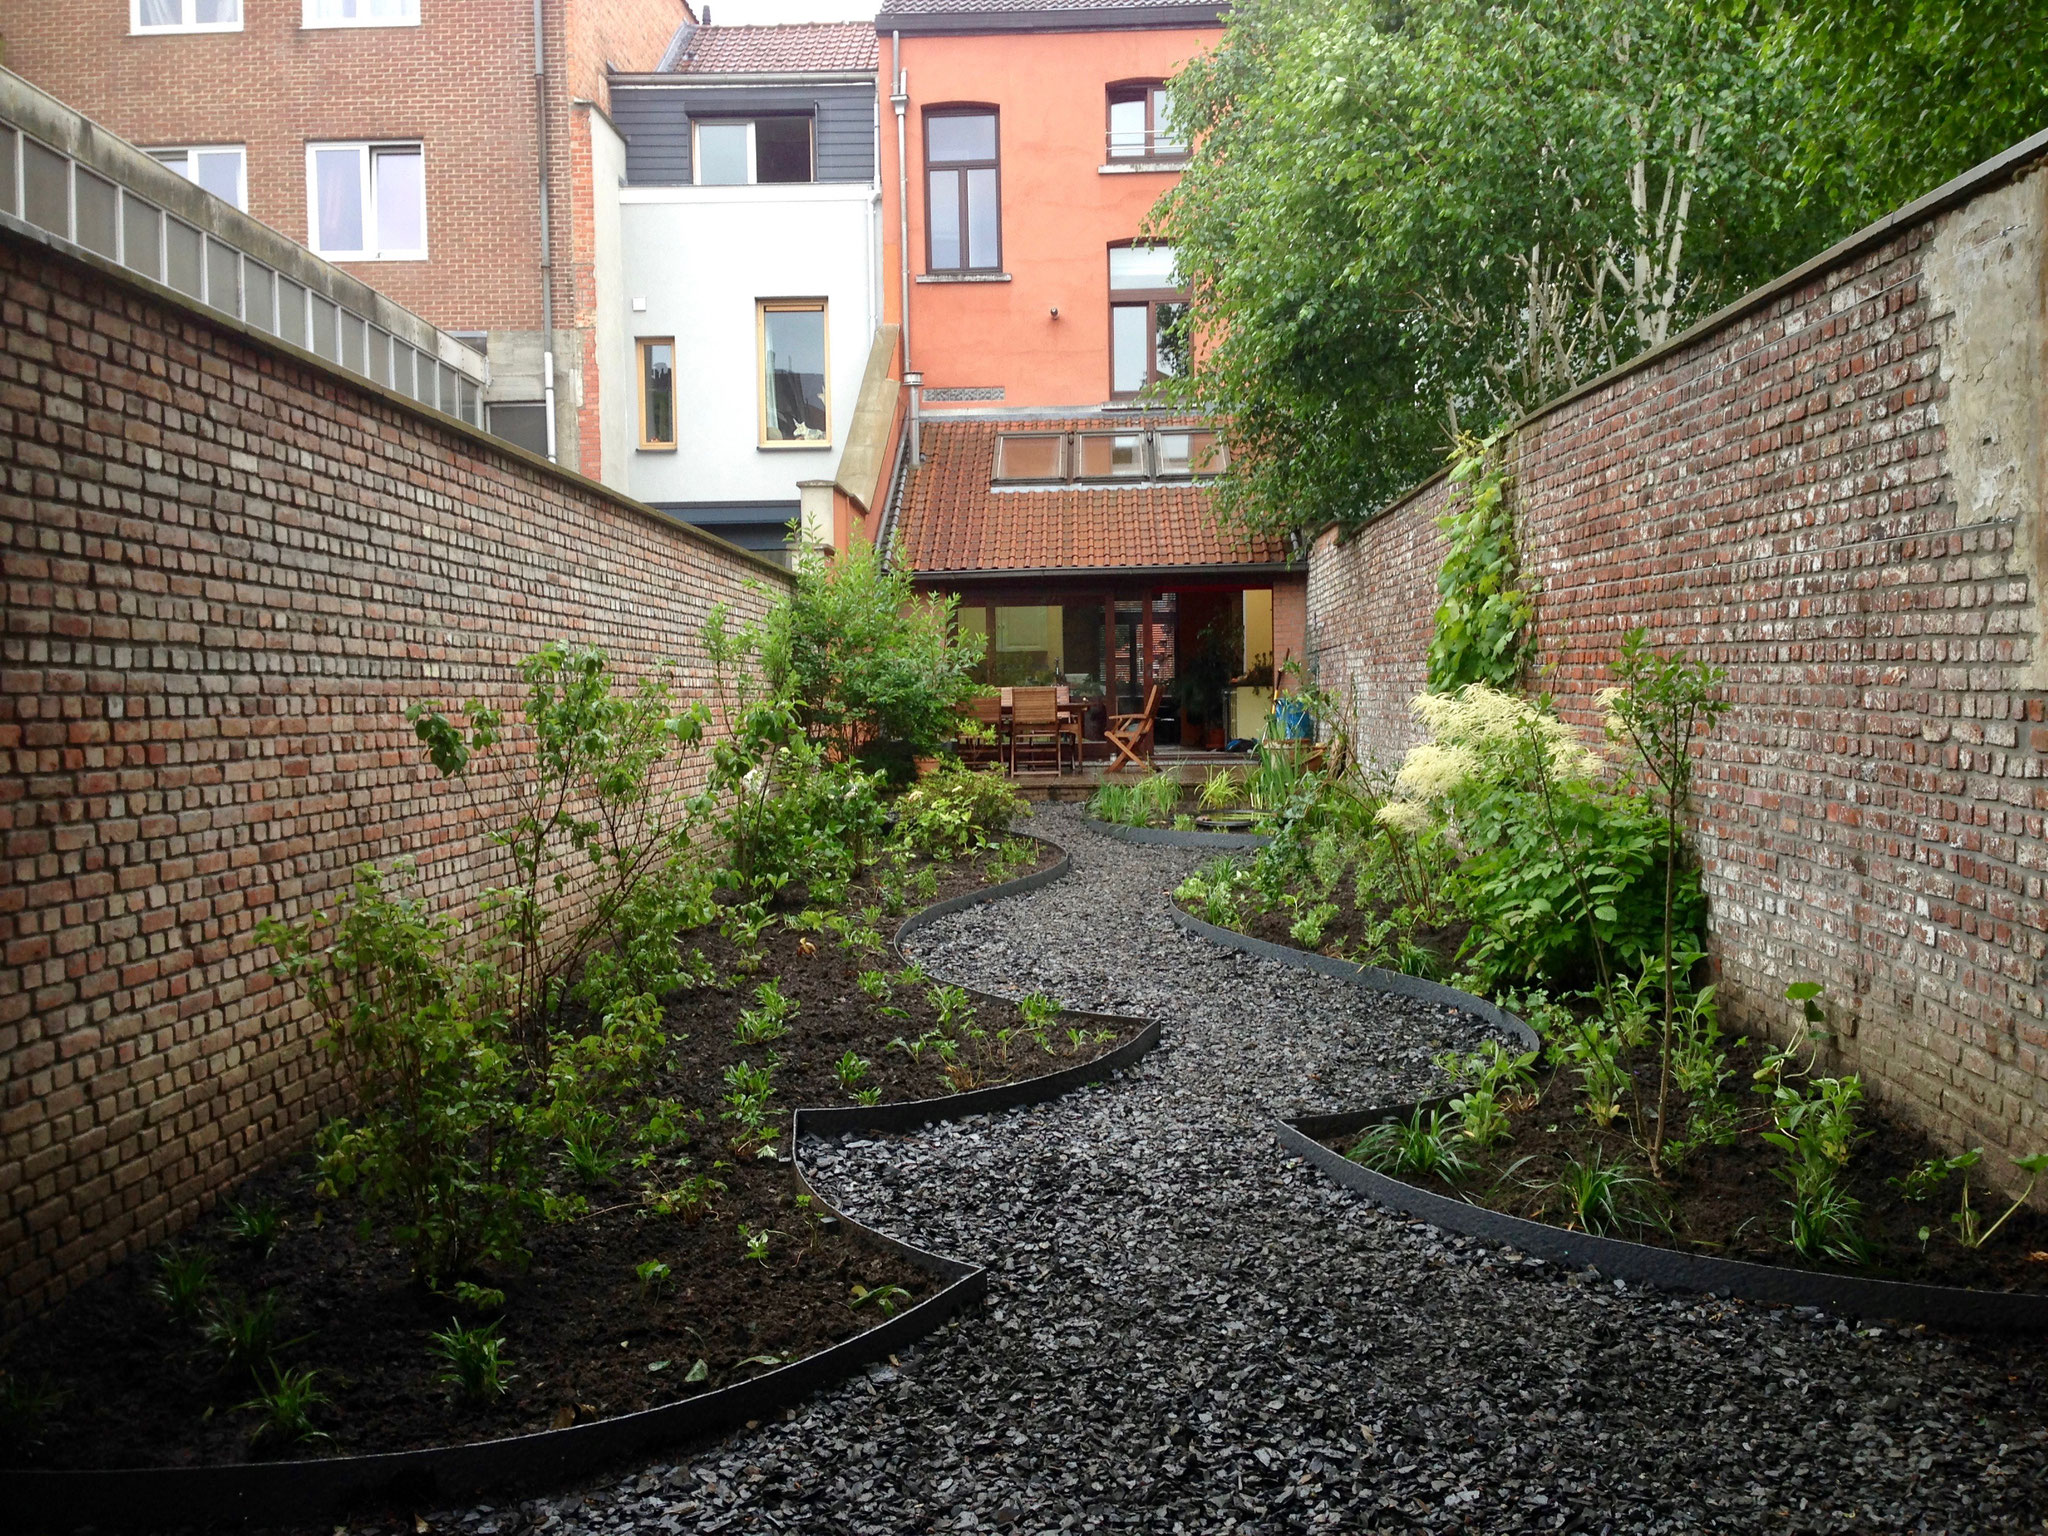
(1055, 494)
(409, 141)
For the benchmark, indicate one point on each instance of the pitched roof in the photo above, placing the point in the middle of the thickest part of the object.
(782, 49)
(953, 519)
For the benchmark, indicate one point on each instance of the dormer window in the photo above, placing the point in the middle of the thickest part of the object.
(1139, 114)
(741, 152)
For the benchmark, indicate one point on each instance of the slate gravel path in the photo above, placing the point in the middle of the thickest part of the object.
(1187, 1333)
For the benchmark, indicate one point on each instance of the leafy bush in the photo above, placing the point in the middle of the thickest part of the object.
(863, 656)
(954, 810)
(1146, 802)
(427, 1060)
(1420, 1145)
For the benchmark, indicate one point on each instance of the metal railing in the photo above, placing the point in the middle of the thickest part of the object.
(63, 174)
(1142, 144)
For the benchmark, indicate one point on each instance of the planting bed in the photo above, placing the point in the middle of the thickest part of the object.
(1727, 1201)
(584, 1337)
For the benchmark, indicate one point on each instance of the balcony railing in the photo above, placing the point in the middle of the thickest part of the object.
(1143, 145)
(64, 175)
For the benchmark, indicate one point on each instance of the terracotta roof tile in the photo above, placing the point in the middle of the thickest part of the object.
(783, 49)
(952, 517)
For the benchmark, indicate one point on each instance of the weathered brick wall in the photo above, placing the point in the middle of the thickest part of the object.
(228, 570)
(1834, 492)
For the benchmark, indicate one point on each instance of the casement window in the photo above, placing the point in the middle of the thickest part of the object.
(1139, 115)
(368, 202)
(963, 191)
(184, 15)
(795, 409)
(739, 152)
(1106, 457)
(360, 13)
(221, 169)
(1148, 313)
(657, 391)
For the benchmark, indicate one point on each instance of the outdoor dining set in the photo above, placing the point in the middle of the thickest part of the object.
(1040, 730)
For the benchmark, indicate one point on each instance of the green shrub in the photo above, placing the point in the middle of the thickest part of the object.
(954, 810)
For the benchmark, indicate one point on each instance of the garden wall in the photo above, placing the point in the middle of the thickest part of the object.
(229, 568)
(1833, 489)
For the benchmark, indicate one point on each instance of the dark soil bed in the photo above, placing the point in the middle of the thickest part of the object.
(1728, 1201)
(583, 1338)
(1357, 933)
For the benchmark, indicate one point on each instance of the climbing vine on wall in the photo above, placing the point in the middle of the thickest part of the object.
(1482, 618)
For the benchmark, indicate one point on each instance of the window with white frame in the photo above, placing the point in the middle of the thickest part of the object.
(221, 169)
(361, 13)
(184, 15)
(367, 202)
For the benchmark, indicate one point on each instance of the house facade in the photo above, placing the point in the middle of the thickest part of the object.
(740, 281)
(1053, 490)
(436, 149)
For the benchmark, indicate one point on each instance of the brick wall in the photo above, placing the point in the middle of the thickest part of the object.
(1833, 491)
(228, 570)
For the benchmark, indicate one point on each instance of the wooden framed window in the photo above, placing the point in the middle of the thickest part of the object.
(1140, 112)
(1112, 456)
(795, 373)
(1148, 316)
(963, 224)
(657, 391)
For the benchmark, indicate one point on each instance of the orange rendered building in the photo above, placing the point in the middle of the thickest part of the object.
(1024, 144)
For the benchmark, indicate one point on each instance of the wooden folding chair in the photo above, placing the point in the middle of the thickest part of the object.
(1130, 736)
(1070, 722)
(1034, 730)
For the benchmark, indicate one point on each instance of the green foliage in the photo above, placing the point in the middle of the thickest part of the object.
(1037, 1010)
(25, 1409)
(653, 1275)
(184, 1281)
(768, 1019)
(1601, 1194)
(1422, 1145)
(1814, 1125)
(1144, 802)
(246, 1334)
(851, 1070)
(257, 1227)
(1483, 617)
(434, 1145)
(1897, 96)
(594, 781)
(1496, 1081)
(473, 1360)
(1406, 220)
(1970, 1230)
(885, 1299)
(287, 1405)
(864, 656)
(1216, 891)
(954, 810)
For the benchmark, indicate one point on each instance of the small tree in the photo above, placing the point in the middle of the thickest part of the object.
(1664, 704)
(862, 656)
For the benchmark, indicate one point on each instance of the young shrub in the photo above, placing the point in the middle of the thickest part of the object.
(25, 1409)
(954, 811)
(473, 1360)
(768, 1019)
(1600, 1195)
(246, 1334)
(1814, 1125)
(653, 1275)
(435, 1146)
(184, 1281)
(255, 1227)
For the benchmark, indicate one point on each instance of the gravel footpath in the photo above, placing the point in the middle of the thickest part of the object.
(1188, 1333)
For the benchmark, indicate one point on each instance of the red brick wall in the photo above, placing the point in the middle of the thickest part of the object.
(228, 570)
(1803, 494)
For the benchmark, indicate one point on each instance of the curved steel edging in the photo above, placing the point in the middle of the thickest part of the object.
(1371, 977)
(277, 1491)
(923, 916)
(1940, 1306)
(1167, 837)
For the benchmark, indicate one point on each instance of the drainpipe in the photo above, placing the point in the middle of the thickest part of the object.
(547, 259)
(900, 99)
(914, 382)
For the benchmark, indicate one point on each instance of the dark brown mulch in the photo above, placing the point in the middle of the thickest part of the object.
(582, 1337)
(1728, 1201)
(1354, 933)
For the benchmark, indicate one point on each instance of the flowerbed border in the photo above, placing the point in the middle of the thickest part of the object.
(1940, 1306)
(1168, 837)
(1371, 978)
(210, 1497)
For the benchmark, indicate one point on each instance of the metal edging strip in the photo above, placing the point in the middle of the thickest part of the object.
(1167, 837)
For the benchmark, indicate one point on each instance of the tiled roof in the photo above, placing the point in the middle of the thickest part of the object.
(786, 49)
(953, 519)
